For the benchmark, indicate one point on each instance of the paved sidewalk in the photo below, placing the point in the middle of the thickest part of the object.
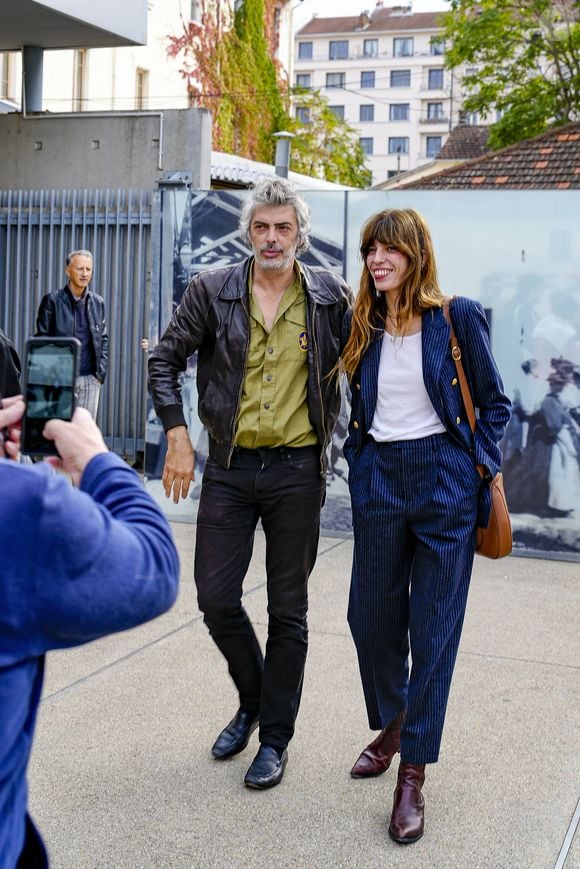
(122, 776)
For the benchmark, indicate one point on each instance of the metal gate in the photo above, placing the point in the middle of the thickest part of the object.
(38, 228)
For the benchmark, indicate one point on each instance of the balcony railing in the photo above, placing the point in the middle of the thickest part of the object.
(440, 119)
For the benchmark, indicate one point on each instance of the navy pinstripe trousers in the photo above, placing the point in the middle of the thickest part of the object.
(414, 509)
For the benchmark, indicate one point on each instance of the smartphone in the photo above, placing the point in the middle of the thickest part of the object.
(50, 375)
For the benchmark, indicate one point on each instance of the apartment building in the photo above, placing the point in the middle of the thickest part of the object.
(129, 78)
(383, 73)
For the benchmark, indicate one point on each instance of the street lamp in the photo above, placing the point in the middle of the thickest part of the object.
(282, 160)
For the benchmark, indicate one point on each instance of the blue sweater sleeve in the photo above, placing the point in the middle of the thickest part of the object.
(88, 561)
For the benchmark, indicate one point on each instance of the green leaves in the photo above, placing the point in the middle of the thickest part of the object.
(326, 146)
(523, 58)
(229, 70)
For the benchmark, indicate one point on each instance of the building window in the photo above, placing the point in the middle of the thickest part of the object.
(304, 51)
(338, 49)
(338, 111)
(435, 79)
(4, 74)
(472, 118)
(195, 11)
(433, 146)
(303, 114)
(367, 79)
(398, 144)
(366, 113)
(400, 78)
(334, 79)
(366, 145)
(141, 88)
(371, 48)
(79, 79)
(437, 46)
(392, 172)
(399, 112)
(303, 80)
(434, 111)
(403, 47)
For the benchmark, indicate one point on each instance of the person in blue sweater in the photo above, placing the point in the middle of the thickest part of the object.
(75, 564)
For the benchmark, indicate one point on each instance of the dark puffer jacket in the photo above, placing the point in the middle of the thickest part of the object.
(213, 318)
(56, 316)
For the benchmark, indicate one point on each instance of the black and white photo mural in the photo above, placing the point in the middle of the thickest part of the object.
(517, 252)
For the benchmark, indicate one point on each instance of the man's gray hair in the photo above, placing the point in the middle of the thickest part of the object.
(274, 190)
(78, 253)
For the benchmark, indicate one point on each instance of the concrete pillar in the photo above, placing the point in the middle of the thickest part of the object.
(32, 61)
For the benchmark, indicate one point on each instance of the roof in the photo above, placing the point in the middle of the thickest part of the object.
(403, 179)
(72, 23)
(381, 21)
(465, 142)
(550, 161)
(229, 170)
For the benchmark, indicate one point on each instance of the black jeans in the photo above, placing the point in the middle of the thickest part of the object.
(282, 487)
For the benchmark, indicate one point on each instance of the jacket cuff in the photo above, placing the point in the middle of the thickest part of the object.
(171, 416)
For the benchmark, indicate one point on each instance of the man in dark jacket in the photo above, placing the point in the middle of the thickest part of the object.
(76, 311)
(268, 337)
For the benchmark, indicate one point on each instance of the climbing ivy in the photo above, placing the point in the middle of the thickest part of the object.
(227, 61)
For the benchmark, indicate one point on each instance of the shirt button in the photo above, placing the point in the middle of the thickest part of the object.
(268, 377)
(355, 424)
(458, 420)
(270, 349)
(267, 405)
(358, 386)
(454, 381)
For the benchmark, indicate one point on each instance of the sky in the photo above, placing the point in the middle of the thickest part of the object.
(304, 10)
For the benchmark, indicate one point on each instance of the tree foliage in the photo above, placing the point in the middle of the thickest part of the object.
(227, 62)
(527, 57)
(325, 146)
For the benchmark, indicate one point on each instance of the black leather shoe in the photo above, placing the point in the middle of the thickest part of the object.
(267, 768)
(235, 735)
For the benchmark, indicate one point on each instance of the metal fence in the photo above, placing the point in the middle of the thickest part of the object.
(38, 228)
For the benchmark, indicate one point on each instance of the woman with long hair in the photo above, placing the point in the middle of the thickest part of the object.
(418, 482)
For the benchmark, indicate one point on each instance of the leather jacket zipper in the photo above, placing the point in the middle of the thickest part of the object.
(235, 416)
(316, 360)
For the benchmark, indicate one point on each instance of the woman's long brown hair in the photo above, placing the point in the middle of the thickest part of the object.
(407, 231)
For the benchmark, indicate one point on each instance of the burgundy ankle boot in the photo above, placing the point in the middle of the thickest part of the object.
(376, 757)
(407, 819)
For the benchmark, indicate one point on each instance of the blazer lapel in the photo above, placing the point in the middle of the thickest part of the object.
(435, 338)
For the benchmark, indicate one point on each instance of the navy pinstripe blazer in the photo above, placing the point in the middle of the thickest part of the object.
(440, 378)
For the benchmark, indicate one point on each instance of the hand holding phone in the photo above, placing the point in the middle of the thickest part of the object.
(50, 374)
(77, 442)
(11, 411)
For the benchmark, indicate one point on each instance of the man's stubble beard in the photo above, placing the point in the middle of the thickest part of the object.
(275, 265)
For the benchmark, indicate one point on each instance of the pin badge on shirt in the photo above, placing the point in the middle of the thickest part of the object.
(303, 340)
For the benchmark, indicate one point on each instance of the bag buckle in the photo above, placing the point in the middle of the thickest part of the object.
(456, 353)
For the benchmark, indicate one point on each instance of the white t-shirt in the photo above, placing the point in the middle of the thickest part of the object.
(404, 411)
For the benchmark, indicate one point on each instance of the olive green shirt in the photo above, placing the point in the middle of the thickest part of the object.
(273, 408)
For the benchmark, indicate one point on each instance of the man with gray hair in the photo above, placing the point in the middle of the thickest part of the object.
(78, 312)
(268, 337)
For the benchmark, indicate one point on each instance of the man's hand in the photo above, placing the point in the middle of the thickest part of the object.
(178, 471)
(77, 442)
(11, 412)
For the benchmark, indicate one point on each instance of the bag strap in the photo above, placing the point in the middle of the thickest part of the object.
(456, 353)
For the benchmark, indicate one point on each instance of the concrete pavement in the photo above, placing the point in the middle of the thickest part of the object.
(121, 773)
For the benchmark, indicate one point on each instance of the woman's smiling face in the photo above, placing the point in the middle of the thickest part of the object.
(387, 265)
